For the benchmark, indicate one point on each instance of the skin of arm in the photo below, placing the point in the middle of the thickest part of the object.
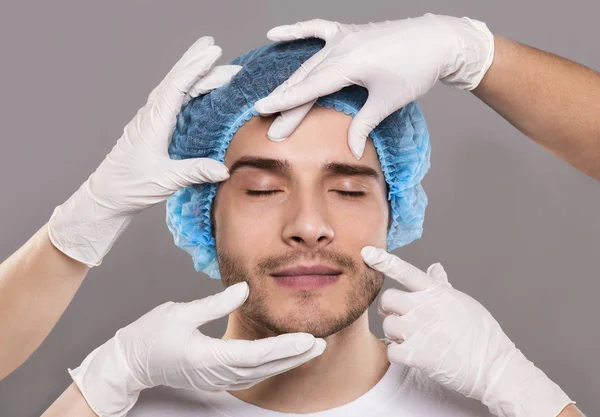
(37, 283)
(571, 411)
(552, 100)
(72, 403)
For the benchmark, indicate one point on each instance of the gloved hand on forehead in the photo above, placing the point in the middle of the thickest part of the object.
(456, 341)
(164, 347)
(397, 61)
(138, 172)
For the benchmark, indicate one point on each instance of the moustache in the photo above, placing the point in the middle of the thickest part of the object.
(266, 265)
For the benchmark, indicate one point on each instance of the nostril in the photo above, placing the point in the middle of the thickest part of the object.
(297, 239)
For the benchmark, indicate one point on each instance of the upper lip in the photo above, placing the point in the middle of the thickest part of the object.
(307, 270)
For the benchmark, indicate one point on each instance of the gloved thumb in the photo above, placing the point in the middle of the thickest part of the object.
(316, 28)
(437, 272)
(196, 171)
(213, 307)
(369, 116)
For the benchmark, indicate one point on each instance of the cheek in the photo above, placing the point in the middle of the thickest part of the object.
(360, 223)
(243, 229)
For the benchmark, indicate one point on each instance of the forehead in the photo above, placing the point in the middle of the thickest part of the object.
(321, 138)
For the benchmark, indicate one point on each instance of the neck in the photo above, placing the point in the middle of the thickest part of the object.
(353, 362)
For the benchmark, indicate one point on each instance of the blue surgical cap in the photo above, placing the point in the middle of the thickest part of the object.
(206, 125)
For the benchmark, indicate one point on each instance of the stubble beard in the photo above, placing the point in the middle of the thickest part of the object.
(364, 288)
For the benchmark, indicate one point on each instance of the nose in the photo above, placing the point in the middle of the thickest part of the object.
(306, 224)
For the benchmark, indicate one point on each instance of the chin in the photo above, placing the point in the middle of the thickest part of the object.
(311, 319)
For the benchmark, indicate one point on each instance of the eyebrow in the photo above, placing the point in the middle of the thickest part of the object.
(283, 167)
(337, 168)
(277, 166)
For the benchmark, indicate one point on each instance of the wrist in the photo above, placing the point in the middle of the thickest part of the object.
(520, 389)
(473, 54)
(106, 382)
(85, 230)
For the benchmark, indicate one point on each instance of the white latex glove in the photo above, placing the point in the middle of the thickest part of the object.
(456, 341)
(397, 61)
(164, 347)
(138, 172)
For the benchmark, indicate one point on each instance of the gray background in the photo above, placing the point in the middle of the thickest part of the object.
(514, 226)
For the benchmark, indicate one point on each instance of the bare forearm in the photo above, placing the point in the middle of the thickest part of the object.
(37, 283)
(571, 411)
(552, 100)
(71, 404)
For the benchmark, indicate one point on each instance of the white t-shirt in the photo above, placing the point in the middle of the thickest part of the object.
(402, 392)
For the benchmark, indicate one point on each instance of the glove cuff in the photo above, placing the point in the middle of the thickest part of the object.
(523, 390)
(84, 230)
(474, 55)
(106, 382)
(487, 62)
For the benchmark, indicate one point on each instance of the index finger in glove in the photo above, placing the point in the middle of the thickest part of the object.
(271, 104)
(324, 79)
(183, 173)
(393, 267)
(250, 354)
(200, 49)
(253, 368)
(166, 100)
(215, 78)
(180, 82)
(285, 124)
(279, 366)
(198, 312)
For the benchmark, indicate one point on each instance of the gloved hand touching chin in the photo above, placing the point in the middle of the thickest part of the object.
(456, 341)
(164, 347)
(138, 172)
(397, 61)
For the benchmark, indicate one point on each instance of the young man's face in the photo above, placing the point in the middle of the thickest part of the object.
(291, 221)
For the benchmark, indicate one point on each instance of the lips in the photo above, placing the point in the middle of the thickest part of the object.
(305, 277)
(307, 270)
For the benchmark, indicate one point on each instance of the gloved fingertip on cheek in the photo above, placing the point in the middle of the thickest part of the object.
(369, 253)
(240, 290)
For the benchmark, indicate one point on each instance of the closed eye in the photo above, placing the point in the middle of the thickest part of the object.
(272, 192)
(350, 193)
(262, 192)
